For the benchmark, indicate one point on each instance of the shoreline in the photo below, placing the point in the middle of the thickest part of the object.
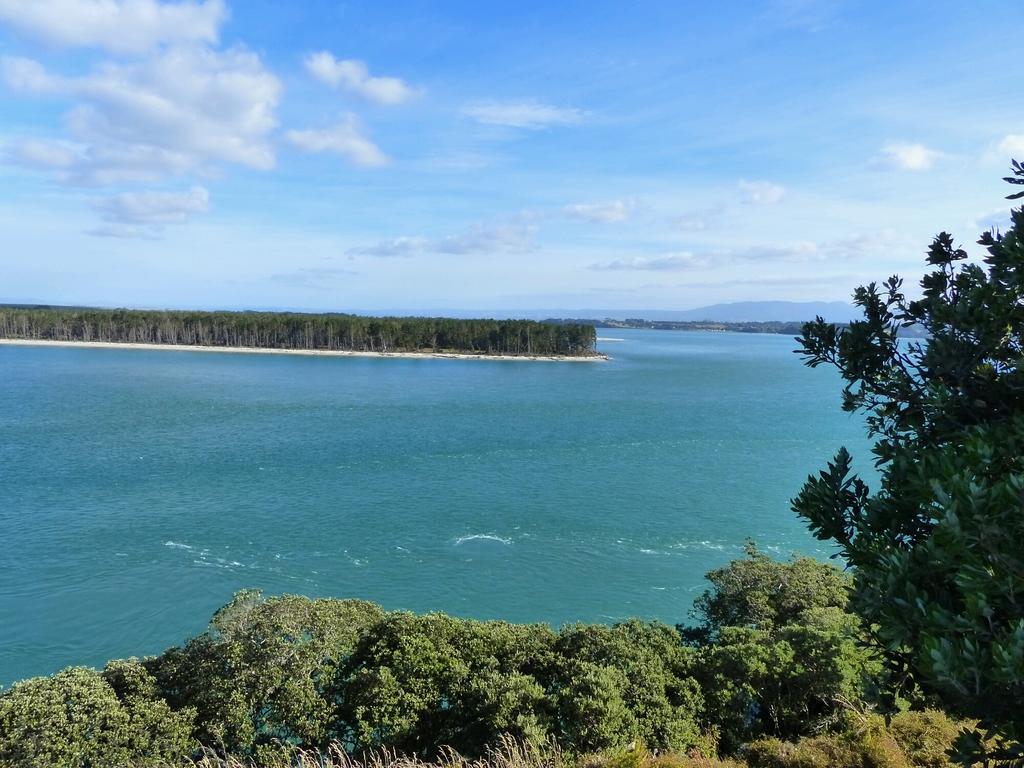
(306, 352)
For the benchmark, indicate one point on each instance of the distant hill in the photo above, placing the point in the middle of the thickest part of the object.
(762, 312)
(738, 312)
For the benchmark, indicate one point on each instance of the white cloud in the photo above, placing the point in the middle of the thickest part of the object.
(600, 213)
(904, 156)
(698, 220)
(995, 220)
(28, 76)
(183, 110)
(396, 247)
(798, 252)
(353, 76)
(1012, 145)
(761, 192)
(345, 139)
(155, 209)
(43, 154)
(119, 26)
(669, 263)
(522, 114)
(500, 238)
(880, 244)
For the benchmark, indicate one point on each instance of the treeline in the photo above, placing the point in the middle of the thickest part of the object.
(774, 664)
(292, 330)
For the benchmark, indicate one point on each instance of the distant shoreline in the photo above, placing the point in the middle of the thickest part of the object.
(307, 352)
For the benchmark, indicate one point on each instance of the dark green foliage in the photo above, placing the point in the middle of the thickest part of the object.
(937, 548)
(288, 672)
(80, 717)
(272, 676)
(763, 593)
(635, 674)
(789, 682)
(289, 330)
(259, 676)
(778, 654)
(418, 683)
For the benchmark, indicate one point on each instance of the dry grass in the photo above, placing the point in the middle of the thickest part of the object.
(508, 753)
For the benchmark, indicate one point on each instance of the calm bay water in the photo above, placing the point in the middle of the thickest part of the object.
(140, 489)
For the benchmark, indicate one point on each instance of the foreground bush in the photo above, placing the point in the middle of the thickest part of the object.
(778, 654)
(911, 740)
(80, 717)
(775, 656)
(936, 546)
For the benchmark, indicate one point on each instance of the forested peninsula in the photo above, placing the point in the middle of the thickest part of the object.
(300, 331)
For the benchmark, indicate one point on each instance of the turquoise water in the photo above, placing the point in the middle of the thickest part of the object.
(140, 489)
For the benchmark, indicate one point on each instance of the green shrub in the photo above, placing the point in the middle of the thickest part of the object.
(420, 683)
(80, 717)
(786, 683)
(911, 740)
(258, 676)
(763, 593)
(828, 751)
(936, 545)
(631, 681)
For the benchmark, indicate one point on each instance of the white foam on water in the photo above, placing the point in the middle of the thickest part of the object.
(176, 545)
(699, 545)
(482, 537)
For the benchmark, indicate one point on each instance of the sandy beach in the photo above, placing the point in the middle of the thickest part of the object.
(307, 352)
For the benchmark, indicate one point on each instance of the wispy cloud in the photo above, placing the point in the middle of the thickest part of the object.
(761, 192)
(529, 114)
(354, 77)
(610, 212)
(905, 156)
(851, 248)
(119, 26)
(483, 240)
(145, 214)
(698, 220)
(345, 139)
(672, 262)
(1012, 145)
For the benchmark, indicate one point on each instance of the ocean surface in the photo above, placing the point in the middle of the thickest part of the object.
(140, 489)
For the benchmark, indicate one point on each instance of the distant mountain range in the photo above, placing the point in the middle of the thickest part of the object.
(737, 312)
(756, 312)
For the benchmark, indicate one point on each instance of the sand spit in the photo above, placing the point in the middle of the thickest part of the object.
(307, 352)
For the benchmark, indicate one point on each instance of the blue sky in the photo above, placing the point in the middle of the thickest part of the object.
(410, 156)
